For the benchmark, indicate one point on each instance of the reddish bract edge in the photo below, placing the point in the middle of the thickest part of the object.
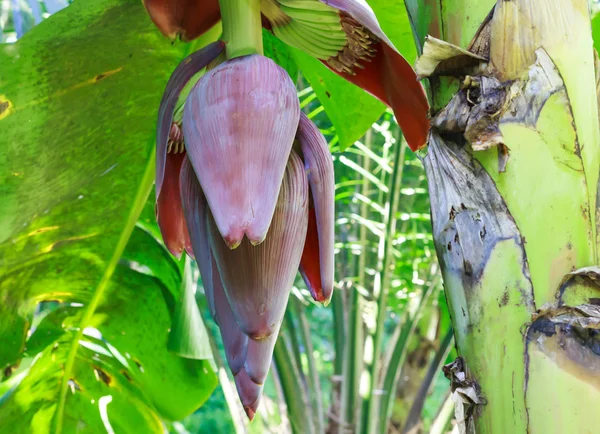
(169, 212)
(187, 18)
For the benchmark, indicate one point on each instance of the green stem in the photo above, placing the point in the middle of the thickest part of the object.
(294, 342)
(434, 368)
(364, 210)
(395, 361)
(314, 389)
(344, 268)
(292, 388)
(353, 357)
(337, 306)
(371, 400)
(354, 348)
(242, 27)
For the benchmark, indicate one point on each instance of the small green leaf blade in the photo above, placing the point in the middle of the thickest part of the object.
(188, 337)
(79, 96)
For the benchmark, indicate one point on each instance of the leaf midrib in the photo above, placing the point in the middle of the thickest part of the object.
(136, 209)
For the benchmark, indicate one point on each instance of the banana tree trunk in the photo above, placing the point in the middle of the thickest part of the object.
(513, 167)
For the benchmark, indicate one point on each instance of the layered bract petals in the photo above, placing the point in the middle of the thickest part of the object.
(258, 279)
(388, 76)
(258, 358)
(316, 266)
(187, 18)
(239, 124)
(195, 211)
(182, 74)
(249, 393)
(169, 213)
(235, 342)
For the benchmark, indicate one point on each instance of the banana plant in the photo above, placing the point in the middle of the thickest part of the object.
(344, 34)
(244, 180)
(513, 164)
(88, 292)
(53, 227)
(514, 99)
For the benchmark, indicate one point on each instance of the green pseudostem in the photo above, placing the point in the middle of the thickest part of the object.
(242, 27)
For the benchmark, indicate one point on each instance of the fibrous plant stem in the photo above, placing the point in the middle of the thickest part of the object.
(242, 27)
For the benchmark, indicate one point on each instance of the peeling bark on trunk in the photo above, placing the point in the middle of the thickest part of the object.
(513, 166)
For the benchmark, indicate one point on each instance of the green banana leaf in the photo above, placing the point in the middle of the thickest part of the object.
(596, 30)
(394, 20)
(78, 103)
(88, 293)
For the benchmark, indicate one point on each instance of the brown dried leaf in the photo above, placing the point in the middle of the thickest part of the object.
(442, 58)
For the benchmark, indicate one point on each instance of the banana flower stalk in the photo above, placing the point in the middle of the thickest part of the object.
(344, 34)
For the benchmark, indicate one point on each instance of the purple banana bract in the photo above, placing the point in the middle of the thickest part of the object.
(249, 166)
